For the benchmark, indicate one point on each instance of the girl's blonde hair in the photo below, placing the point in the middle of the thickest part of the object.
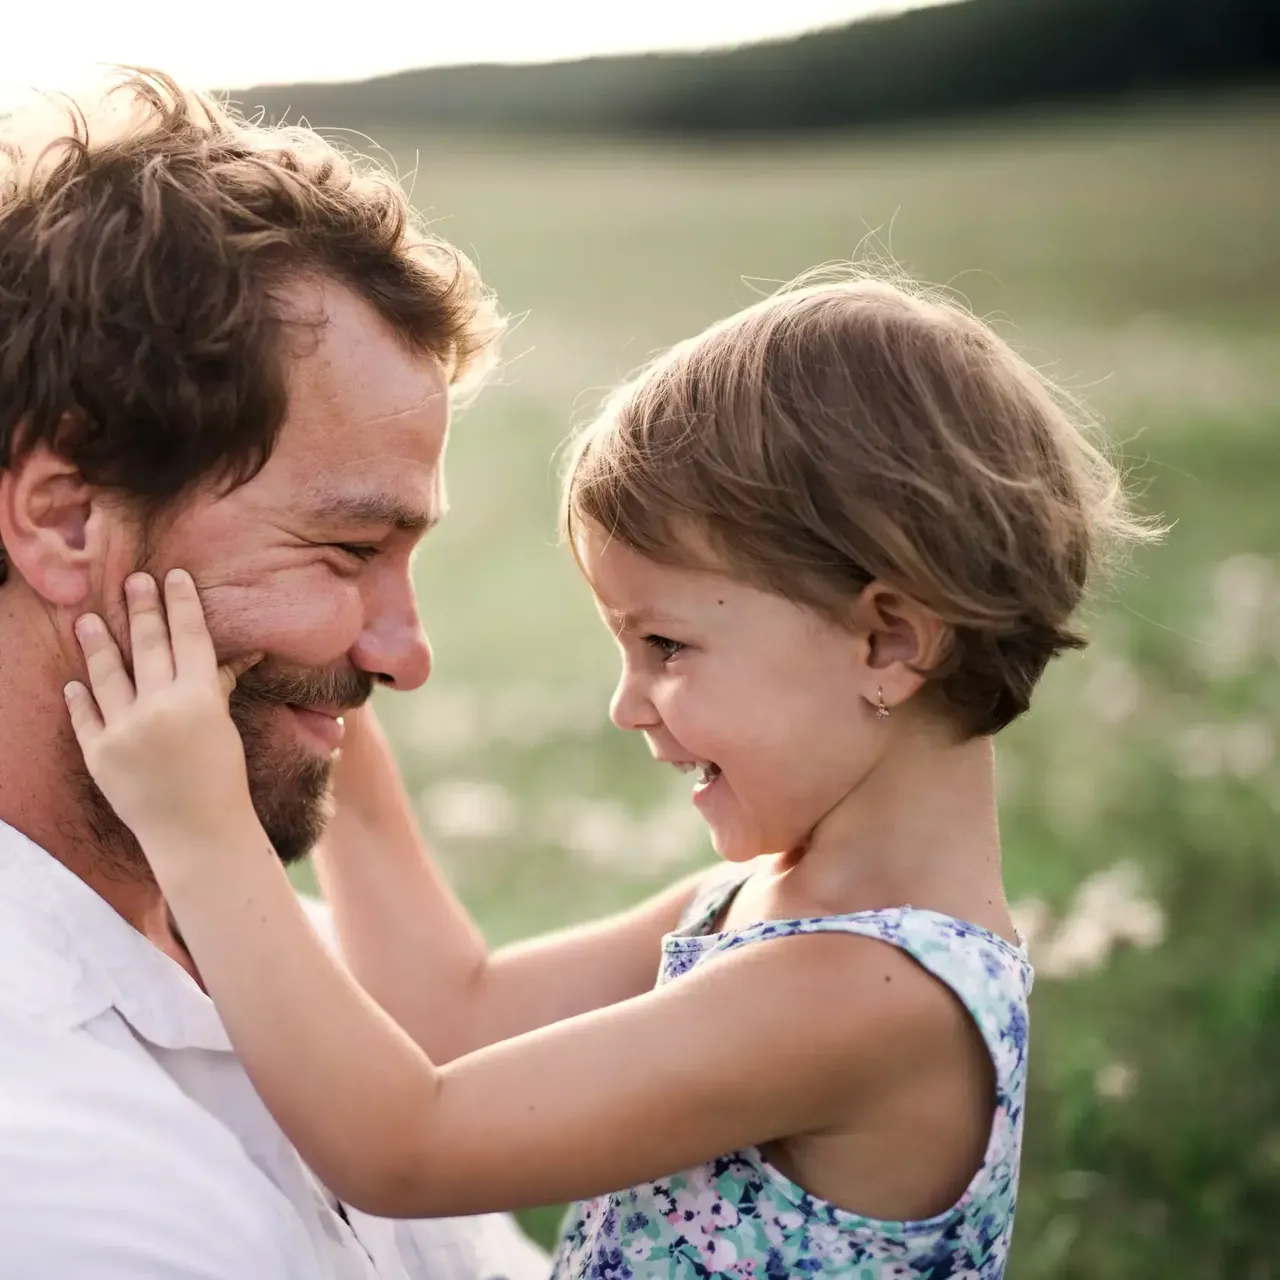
(848, 431)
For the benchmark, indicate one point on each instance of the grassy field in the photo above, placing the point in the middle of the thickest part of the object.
(1135, 256)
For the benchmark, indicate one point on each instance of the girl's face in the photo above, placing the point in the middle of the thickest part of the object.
(769, 706)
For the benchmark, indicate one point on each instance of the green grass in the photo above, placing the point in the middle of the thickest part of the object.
(1134, 256)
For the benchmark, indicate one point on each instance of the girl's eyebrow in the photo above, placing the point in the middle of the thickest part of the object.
(640, 620)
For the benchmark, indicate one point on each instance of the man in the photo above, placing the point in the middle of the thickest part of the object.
(224, 347)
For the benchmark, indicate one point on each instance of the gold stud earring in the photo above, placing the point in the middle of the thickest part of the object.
(882, 712)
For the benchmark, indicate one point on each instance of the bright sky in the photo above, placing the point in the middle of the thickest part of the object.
(234, 44)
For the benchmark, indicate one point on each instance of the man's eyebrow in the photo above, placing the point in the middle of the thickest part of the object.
(376, 509)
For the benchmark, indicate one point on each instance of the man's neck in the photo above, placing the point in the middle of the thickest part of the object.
(41, 796)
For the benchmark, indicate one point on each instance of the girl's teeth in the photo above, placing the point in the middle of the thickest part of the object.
(707, 773)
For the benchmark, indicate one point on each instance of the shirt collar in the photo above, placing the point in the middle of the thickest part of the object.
(66, 957)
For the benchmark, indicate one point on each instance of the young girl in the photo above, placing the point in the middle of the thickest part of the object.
(837, 538)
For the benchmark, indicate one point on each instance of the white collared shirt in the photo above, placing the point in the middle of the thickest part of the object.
(132, 1145)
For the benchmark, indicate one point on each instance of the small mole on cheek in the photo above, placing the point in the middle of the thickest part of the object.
(719, 602)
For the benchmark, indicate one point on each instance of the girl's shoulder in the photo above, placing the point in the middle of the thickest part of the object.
(928, 958)
(934, 939)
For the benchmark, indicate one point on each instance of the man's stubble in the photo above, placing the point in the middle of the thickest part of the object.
(289, 786)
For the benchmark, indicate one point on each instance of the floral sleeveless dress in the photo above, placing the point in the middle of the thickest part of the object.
(737, 1216)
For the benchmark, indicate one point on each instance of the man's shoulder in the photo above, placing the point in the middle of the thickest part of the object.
(107, 1168)
(57, 1081)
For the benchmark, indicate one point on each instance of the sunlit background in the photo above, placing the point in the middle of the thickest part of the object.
(279, 44)
(1100, 178)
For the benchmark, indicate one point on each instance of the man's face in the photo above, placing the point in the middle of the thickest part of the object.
(310, 562)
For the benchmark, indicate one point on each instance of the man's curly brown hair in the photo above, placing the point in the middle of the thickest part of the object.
(146, 237)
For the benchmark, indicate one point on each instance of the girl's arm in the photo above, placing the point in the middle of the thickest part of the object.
(770, 1040)
(767, 1041)
(415, 949)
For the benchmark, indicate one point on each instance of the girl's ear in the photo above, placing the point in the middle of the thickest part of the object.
(905, 640)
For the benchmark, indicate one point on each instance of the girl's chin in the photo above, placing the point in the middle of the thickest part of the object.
(734, 847)
(734, 838)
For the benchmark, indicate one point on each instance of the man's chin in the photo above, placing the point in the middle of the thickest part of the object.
(289, 780)
(294, 803)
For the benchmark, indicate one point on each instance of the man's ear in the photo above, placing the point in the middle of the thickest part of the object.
(53, 526)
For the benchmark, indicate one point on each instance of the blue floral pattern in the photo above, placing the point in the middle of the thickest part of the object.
(738, 1216)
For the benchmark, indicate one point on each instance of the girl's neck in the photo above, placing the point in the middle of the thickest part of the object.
(921, 829)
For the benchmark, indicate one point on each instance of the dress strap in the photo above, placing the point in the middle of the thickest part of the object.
(718, 889)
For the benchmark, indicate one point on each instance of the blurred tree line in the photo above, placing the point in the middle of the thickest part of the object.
(961, 58)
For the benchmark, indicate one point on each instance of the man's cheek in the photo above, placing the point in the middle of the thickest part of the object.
(304, 624)
(235, 616)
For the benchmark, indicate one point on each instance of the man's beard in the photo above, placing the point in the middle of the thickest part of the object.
(288, 785)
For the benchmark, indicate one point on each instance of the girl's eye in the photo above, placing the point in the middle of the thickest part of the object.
(358, 551)
(666, 649)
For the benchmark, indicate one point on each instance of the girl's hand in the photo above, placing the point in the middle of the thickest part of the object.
(161, 746)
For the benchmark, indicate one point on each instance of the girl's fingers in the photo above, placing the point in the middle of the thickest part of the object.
(112, 688)
(85, 720)
(231, 671)
(148, 634)
(193, 654)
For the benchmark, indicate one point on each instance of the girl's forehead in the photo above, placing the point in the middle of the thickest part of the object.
(623, 577)
(611, 567)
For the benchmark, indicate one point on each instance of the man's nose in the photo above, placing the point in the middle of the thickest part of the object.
(393, 648)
